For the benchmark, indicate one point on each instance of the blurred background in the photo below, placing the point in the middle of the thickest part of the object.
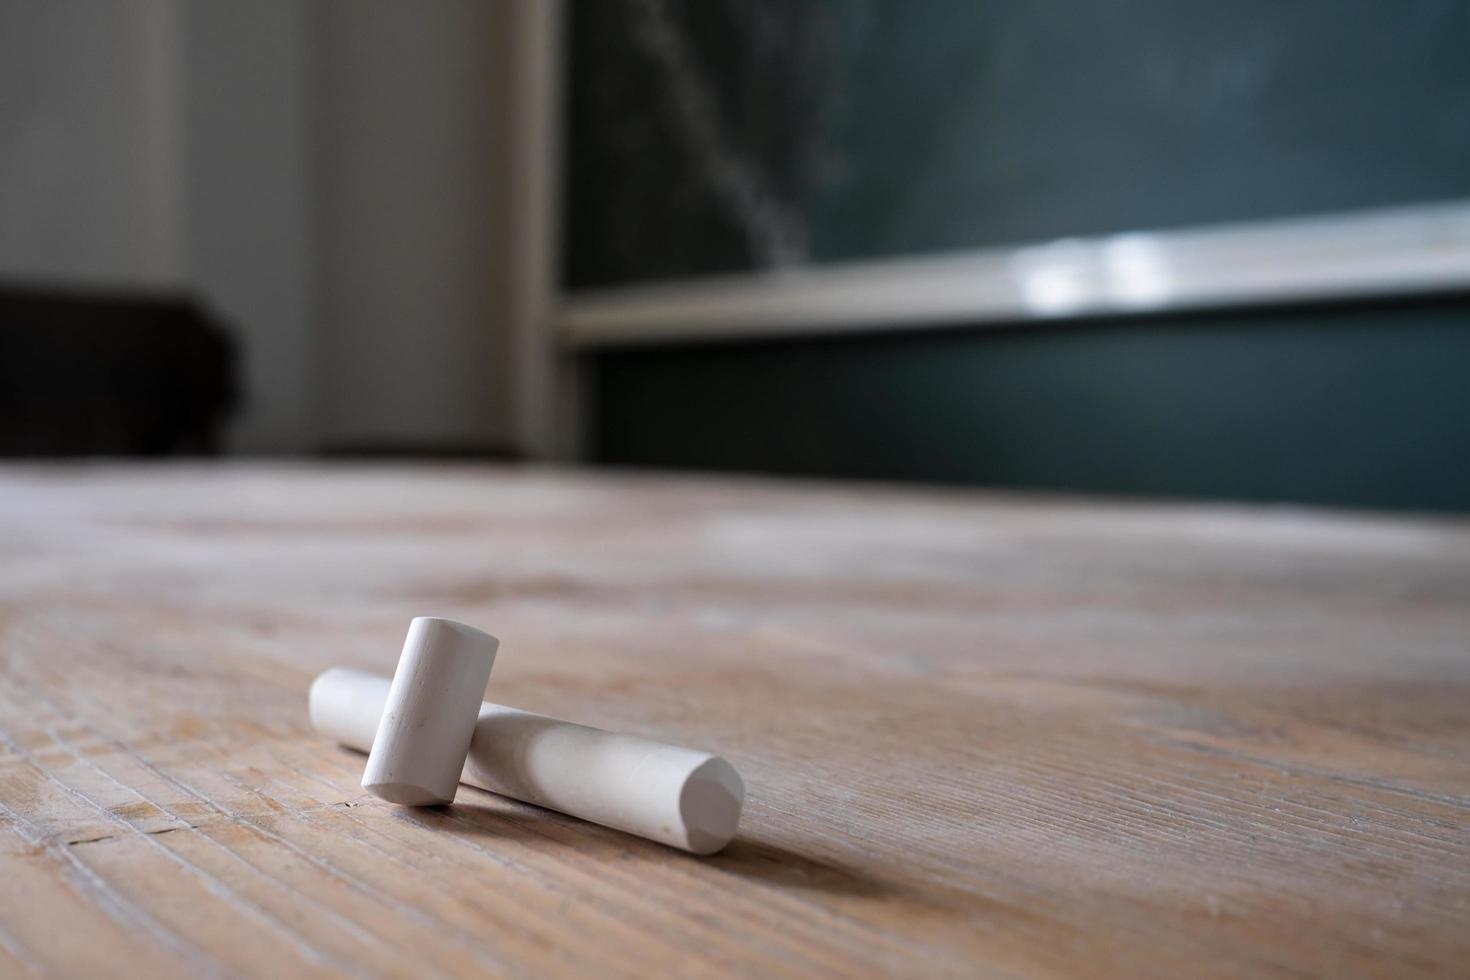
(1154, 247)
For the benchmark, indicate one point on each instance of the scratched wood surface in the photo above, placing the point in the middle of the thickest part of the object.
(982, 734)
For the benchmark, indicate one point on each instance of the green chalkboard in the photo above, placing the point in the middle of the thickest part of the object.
(712, 136)
(720, 136)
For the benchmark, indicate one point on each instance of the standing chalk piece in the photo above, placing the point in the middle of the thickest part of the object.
(429, 718)
(681, 797)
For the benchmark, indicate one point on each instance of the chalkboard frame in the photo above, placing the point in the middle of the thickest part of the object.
(1384, 252)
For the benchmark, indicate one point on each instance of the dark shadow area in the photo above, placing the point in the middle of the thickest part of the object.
(783, 867)
(492, 817)
(476, 820)
(111, 373)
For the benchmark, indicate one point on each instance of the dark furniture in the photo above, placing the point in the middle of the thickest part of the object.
(107, 373)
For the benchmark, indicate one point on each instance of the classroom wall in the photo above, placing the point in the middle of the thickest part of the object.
(89, 151)
(319, 174)
(1365, 405)
(406, 173)
(248, 200)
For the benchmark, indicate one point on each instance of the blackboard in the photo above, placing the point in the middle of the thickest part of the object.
(715, 136)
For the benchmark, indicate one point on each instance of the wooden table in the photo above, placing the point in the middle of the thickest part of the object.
(982, 734)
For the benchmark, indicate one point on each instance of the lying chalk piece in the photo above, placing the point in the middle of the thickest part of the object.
(681, 797)
(428, 716)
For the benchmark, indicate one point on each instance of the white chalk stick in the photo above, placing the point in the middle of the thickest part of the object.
(681, 797)
(428, 717)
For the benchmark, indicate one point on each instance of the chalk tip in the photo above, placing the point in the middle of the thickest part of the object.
(455, 626)
(710, 805)
(406, 794)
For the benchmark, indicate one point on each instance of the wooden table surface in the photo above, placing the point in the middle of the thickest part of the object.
(982, 734)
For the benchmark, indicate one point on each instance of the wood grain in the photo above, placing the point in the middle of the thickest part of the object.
(982, 735)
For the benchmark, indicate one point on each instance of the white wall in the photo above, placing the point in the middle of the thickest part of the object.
(160, 144)
(249, 204)
(407, 101)
(89, 158)
(321, 174)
